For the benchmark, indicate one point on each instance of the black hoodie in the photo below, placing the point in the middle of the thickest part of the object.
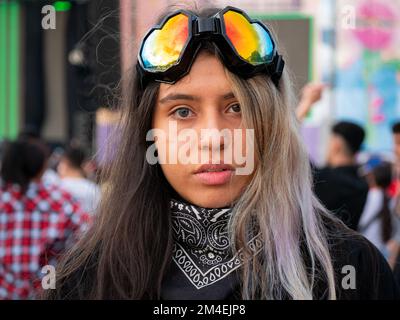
(342, 191)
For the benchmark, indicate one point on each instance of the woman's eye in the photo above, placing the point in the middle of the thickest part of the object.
(182, 113)
(235, 108)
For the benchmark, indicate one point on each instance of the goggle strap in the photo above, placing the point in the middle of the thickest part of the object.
(276, 72)
(141, 76)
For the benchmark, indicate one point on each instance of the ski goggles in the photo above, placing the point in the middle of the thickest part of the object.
(246, 46)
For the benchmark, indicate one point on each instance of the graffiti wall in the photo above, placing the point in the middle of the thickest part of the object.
(368, 68)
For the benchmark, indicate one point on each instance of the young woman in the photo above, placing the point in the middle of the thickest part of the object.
(214, 229)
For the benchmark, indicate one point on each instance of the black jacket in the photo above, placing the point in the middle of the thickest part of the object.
(349, 250)
(342, 191)
(352, 255)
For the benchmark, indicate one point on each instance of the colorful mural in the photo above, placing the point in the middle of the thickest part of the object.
(368, 70)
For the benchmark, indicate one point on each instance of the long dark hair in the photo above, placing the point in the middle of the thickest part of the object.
(130, 240)
(22, 161)
(129, 247)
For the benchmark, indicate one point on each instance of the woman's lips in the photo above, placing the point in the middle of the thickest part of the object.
(214, 174)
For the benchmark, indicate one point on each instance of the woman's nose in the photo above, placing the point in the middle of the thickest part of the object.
(213, 133)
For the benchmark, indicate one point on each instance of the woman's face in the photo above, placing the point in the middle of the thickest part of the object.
(199, 132)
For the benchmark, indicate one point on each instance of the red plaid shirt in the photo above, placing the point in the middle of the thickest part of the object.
(34, 230)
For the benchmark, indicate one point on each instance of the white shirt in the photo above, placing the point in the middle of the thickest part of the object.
(373, 231)
(84, 190)
(50, 177)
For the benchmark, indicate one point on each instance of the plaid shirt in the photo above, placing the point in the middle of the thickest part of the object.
(34, 229)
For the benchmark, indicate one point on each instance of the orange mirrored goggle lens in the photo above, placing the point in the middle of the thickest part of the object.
(250, 40)
(163, 47)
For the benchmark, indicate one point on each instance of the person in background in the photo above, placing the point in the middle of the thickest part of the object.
(38, 221)
(338, 185)
(31, 134)
(70, 170)
(377, 223)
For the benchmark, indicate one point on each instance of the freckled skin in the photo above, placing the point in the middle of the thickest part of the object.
(210, 109)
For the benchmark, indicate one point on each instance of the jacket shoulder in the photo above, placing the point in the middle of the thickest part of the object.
(360, 269)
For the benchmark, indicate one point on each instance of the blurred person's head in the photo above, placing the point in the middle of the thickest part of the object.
(383, 175)
(378, 172)
(32, 134)
(23, 162)
(396, 139)
(345, 142)
(71, 162)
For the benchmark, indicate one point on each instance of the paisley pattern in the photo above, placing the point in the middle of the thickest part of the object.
(202, 248)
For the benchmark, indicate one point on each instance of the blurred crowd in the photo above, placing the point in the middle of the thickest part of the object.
(47, 200)
(363, 191)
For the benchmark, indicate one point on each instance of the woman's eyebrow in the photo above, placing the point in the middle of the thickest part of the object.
(228, 96)
(182, 96)
(178, 96)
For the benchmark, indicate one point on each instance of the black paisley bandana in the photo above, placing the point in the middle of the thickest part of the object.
(202, 248)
